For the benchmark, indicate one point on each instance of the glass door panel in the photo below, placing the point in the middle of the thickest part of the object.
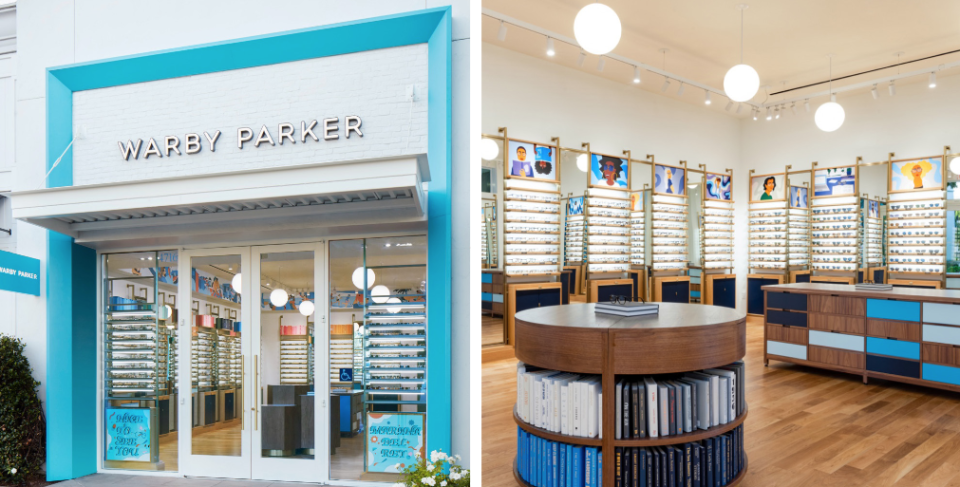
(291, 405)
(212, 313)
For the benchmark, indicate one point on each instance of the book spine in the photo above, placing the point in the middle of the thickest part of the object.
(688, 465)
(564, 411)
(562, 477)
(618, 462)
(599, 469)
(697, 471)
(640, 420)
(555, 464)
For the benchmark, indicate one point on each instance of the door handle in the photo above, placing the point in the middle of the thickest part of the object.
(243, 378)
(256, 391)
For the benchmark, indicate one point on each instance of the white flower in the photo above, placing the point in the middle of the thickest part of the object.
(13, 471)
(465, 473)
(458, 457)
(437, 455)
(429, 467)
(417, 453)
(398, 484)
(451, 460)
(443, 484)
(429, 481)
(454, 476)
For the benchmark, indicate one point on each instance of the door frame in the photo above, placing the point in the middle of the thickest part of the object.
(211, 465)
(294, 469)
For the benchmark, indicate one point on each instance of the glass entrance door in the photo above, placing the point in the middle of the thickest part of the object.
(292, 420)
(214, 306)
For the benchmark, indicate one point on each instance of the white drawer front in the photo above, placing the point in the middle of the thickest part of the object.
(786, 350)
(853, 343)
(941, 334)
(947, 314)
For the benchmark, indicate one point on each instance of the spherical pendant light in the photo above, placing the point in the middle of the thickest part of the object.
(394, 310)
(278, 297)
(955, 165)
(358, 277)
(597, 28)
(236, 282)
(489, 150)
(830, 115)
(582, 162)
(306, 308)
(379, 290)
(741, 83)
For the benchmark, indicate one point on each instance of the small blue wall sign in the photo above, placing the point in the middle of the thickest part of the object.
(128, 434)
(19, 273)
(346, 375)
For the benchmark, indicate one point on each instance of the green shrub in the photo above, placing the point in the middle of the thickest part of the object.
(22, 424)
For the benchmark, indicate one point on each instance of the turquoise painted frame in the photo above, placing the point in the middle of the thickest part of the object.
(71, 268)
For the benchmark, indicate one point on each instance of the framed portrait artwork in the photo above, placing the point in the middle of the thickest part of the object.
(918, 175)
(575, 206)
(669, 180)
(636, 201)
(530, 160)
(873, 209)
(609, 172)
(835, 181)
(767, 187)
(798, 197)
(719, 187)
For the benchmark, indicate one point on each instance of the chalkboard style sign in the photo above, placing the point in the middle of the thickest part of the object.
(393, 439)
(128, 434)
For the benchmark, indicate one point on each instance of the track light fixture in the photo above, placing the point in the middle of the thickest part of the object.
(666, 85)
(769, 116)
(729, 104)
(550, 50)
(582, 58)
(502, 34)
(806, 105)
(793, 108)
(754, 114)
(600, 64)
(739, 108)
(932, 83)
(680, 90)
(636, 74)
(706, 97)
(892, 88)
(873, 92)
(776, 113)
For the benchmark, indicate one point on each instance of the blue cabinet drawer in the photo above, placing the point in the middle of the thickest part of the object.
(941, 373)
(786, 318)
(895, 366)
(947, 314)
(887, 309)
(941, 334)
(786, 350)
(853, 343)
(893, 348)
(792, 301)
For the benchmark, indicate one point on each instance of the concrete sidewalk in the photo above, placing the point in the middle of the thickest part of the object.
(118, 480)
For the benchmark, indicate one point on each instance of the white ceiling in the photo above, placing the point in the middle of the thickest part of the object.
(784, 40)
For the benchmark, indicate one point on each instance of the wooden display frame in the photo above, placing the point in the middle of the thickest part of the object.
(686, 177)
(943, 174)
(785, 191)
(856, 182)
(506, 160)
(575, 283)
(586, 343)
(640, 289)
(658, 285)
(594, 285)
(794, 274)
(833, 279)
(911, 282)
(590, 155)
(510, 296)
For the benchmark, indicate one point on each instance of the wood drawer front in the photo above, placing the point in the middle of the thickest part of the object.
(901, 330)
(833, 356)
(946, 314)
(949, 335)
(941, 373)
(838, 305)
(843, 324)
(787, 318)
(893, 348)
(892, 309)
(781, 300)
(941, 354)
(787, 334)
(852, 343)
(786, 350)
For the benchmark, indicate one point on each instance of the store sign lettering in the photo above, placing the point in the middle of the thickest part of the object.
(327, 129)
(19, 273)
(128, 434)
(393, 441)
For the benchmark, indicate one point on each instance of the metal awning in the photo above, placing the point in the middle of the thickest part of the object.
(320, 200)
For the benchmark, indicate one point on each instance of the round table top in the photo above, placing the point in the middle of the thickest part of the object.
(672, 315)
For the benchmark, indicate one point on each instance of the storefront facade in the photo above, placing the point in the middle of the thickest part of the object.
(295, 160)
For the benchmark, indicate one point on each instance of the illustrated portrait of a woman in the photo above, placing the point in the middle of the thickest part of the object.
(611, 169)
(769, 185)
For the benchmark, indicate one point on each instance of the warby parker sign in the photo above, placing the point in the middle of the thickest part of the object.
(19, 273)
(326, 129)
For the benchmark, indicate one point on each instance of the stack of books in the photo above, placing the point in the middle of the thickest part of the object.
(874, 287)
(651, 407)
(569, 404)
(711, 462)
(546, 463)
(627, 309)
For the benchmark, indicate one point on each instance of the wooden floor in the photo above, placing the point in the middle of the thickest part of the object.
(807, 427)
(492, 330)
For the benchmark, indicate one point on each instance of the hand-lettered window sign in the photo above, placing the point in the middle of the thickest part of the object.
(19, 273)
(393, 439)
(128, 434)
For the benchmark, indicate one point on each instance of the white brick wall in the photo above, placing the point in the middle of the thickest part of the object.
(372, 85)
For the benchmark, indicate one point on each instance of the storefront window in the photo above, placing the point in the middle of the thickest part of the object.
(378, 293)
(140, 360)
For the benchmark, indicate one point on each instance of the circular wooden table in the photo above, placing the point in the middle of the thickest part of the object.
(681, 338)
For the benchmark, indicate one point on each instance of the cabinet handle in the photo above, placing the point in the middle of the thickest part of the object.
(834, 331)
(891, 338)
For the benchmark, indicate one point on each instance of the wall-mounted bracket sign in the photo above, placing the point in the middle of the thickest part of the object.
(393, 439)
(326, 129)
(19, 273)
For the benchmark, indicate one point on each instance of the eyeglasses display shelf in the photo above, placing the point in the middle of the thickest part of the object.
(798, 237)
(836, 233)
(916, 228)
(532, 228)
(768, 235)
(395, 349)
(716, 228)
(608, 231)
(669, 226)
(573, 231)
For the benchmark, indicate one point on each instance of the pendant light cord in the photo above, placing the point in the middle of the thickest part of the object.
(741, 36)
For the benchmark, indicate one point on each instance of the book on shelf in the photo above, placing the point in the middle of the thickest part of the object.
(559, 402)
(627, 309)
(874, 287)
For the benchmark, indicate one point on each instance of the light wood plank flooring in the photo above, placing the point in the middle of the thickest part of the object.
(807, 427)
